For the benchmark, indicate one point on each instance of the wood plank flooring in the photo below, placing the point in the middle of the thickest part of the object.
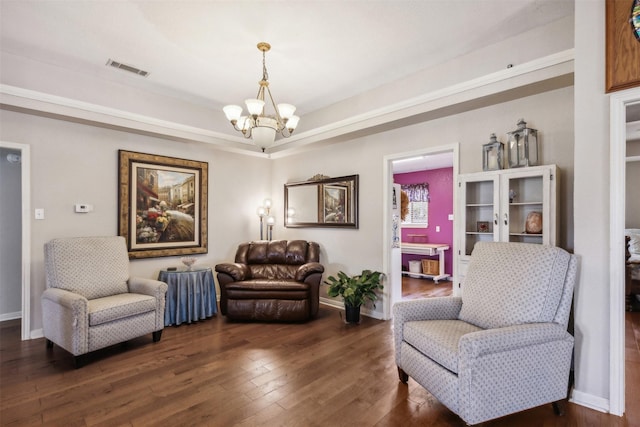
(413, 288)
(219, 373)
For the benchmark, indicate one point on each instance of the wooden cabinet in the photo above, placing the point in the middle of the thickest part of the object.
(495, 205)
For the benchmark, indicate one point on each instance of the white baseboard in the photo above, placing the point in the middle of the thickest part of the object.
(37, 333)
(363, 310)
(10, 316)
(589, 400)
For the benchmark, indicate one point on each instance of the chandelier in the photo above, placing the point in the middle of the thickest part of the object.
(257, 125)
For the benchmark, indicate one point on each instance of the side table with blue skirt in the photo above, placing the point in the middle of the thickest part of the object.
(191, 295)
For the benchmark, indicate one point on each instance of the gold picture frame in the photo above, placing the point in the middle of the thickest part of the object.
(162, 205)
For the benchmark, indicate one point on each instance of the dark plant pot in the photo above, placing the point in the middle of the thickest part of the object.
(352, 314)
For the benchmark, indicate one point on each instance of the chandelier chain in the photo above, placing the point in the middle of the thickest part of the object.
(265, 75)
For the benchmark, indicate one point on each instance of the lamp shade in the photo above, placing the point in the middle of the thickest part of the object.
(233, 112)
(254, 106)
(263, 136)
(292, 123)
(286, 110)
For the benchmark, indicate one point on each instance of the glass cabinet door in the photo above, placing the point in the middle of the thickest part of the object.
(481, 198)
(525, 216)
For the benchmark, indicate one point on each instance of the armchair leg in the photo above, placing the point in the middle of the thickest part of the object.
(157, 335)
(80, 361)
(403, 376)
(558, 408)
(49, 344)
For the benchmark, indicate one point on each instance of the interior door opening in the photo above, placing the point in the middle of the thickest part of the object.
(437, 164)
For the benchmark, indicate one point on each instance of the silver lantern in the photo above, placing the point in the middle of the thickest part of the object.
(492, 154)
(523, 146)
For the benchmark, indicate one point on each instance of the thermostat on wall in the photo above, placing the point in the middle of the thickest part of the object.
(83, 208)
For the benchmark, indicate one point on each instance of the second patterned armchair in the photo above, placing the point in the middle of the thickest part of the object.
(503, 346)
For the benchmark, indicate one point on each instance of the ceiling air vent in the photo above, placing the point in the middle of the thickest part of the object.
(128, 68)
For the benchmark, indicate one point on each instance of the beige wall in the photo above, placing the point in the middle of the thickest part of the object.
(591, 204)
(73, 163)
(354, 250)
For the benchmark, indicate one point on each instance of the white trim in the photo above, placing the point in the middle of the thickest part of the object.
(10, 316)
(387, 232)
(632, 159)
(618, 103)
(364, 311)
(25, 168)
(554, 65)
(589, 400)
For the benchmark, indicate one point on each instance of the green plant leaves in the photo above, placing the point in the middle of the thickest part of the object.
(355, 290)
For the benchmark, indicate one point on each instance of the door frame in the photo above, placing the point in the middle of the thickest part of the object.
(387, 220)
(617, 183)
(25, 170)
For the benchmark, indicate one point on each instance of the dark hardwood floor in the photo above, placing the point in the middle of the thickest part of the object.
(218, 373)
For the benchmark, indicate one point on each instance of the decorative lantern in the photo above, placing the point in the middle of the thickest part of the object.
(492, 154)
(523, 146)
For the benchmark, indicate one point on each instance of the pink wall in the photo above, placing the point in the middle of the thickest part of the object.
(440, 207)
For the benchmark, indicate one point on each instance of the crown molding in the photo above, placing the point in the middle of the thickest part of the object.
(521, 76)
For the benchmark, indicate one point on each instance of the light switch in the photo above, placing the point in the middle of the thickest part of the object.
(437, 228)
(39, 213)
(450, 217)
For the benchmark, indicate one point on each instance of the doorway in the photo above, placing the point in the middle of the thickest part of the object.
(619, 104)
(391, 254)
(19, 155)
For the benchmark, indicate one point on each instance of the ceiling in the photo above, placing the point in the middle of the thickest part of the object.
(205, 52)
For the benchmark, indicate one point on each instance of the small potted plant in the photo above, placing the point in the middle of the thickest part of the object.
(355, 291)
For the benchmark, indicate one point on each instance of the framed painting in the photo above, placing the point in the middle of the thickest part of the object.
(162, 205)
(483, 227)
(334, 203)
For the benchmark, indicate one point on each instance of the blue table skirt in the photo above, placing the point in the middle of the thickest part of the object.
(191, 295)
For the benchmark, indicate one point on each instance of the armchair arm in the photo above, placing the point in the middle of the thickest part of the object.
(154, 288)
(236, 270)
(489, 341)
(65, 320)
(307, 269)
(141, 285)
(442, 308)
(75, 302)
(494, 366)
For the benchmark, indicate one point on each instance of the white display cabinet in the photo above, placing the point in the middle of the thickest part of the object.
(494, 206)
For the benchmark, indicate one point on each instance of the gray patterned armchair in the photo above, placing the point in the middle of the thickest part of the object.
(91, 302)
(503, 346)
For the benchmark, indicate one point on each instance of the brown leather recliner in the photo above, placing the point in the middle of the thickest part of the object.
(275, 280)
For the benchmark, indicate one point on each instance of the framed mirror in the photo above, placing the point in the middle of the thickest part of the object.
(325, 202)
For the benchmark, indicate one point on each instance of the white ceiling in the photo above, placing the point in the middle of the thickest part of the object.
(205, 51)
